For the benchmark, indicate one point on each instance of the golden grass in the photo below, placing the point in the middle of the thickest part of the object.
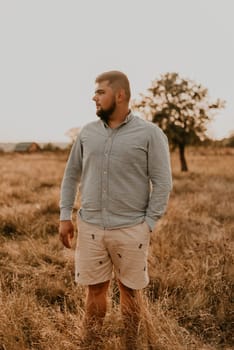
(187, 304)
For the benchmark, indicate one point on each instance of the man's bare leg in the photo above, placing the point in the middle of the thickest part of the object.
(130, 308)
(96, 304)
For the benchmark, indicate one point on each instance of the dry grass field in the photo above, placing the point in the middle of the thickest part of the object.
(187, 305)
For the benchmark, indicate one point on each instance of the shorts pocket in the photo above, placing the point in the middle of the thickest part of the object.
(146, 226)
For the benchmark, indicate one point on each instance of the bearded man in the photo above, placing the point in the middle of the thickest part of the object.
(122, 165)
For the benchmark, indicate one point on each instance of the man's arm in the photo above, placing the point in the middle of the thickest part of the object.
(69, 185)
(160, 175)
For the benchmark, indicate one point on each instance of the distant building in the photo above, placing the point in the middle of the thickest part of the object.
(27, 147)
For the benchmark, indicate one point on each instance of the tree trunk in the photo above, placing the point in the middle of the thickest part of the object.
(182, 157)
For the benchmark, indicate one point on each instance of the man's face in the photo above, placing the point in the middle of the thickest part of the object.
(105, 100)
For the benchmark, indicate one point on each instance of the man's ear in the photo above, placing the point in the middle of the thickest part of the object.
(120, 95)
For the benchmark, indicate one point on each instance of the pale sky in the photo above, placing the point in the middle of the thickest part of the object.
(52, 50)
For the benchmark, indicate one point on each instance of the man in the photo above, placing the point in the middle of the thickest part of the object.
(122, 166)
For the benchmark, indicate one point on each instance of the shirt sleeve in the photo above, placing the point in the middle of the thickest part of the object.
(159, 169)
(70, 180)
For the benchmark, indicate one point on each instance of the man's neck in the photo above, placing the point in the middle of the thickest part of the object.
(116, 119)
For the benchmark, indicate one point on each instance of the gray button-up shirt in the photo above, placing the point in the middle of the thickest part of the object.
(124, 174)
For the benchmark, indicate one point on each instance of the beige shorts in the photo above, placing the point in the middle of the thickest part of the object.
(99, 252)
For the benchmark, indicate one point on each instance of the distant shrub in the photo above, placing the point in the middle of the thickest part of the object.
(229, 142)
(50, 147)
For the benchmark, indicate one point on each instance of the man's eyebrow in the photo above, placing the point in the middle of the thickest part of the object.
(99, 90)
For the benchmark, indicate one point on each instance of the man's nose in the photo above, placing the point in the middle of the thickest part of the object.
(94, 98)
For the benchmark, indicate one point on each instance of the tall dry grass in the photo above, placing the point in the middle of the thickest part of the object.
(187, 304)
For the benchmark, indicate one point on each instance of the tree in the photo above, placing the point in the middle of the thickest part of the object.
(181, 107)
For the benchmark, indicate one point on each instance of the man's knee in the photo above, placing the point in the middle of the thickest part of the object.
(98, 289)
(124, 290)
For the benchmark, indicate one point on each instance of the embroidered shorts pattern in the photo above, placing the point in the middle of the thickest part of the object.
(100, 251)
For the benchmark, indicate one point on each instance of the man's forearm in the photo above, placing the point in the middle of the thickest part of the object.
(68, 195)
(70, 181)
(160, 176)
(157, 204)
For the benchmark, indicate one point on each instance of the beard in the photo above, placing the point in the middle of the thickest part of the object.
(104, 114)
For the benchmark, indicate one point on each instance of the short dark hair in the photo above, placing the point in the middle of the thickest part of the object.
(116, 79)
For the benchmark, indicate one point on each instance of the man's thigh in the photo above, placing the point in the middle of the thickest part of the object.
(128, 248)
(92, 261)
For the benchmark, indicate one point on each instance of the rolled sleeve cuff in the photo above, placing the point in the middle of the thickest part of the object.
(65, 214)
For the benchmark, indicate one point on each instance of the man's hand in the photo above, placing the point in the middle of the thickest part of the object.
(66, 232)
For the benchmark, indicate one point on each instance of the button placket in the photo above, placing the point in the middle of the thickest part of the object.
(105, 180)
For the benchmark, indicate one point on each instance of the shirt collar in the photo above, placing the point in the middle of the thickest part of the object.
(126, 120)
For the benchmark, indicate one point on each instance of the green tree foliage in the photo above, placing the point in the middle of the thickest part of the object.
(181, 107)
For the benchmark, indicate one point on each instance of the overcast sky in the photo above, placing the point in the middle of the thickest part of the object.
(52, 50)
